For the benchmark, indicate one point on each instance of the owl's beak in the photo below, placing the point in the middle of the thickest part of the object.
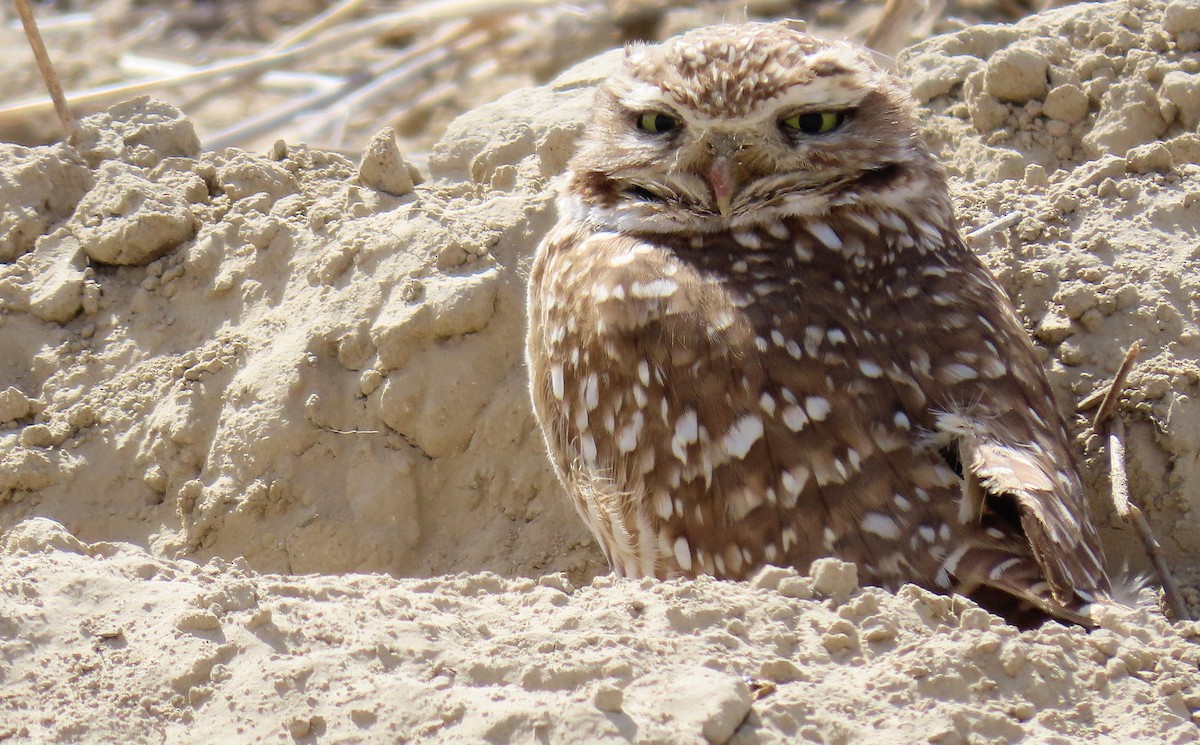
(722, 181)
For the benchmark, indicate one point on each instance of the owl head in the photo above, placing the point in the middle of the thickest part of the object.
(740, 124)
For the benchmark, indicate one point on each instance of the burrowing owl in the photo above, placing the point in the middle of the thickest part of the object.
(756, 337)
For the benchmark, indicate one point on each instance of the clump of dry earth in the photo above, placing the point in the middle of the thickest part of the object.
(231, 383)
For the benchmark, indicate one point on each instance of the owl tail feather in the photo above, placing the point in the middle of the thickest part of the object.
(1010, 585)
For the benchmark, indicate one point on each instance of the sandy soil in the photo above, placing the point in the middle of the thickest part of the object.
(268, 470)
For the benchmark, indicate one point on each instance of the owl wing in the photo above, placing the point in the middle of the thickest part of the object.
(1011, 439)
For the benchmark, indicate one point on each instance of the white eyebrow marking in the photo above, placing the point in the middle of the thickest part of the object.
(830, 92)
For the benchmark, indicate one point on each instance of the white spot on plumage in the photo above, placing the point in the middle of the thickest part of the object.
(993, 367)
(881, 526)
(686, 432)
(853, 458)
(747, 239)
(767, 403)
(893, 221)
(722, 320)
(587, 448)
(817, 408)
(870, 369)
(864, 221)
(999, 570)
(742, 435)
(956, 373)
(794, 417)
(591, 392)
(951, 562)
(793, 481)
(662, 504)
(683, 554)
(825, 234)
(627, 438)
(787, 538)
(655, 288)
(556, 381)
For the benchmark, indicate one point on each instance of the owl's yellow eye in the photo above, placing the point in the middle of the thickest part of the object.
(655, 123)
(814, 122)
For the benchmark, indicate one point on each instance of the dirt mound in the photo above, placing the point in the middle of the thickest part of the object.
(298, 363)
(111, 643)
(1074, 120)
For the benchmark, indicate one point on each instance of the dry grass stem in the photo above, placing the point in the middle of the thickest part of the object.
(45, 66)
(405, 71)
(1115, 390)
(1012, 218)
(1093, 399)
(269, 121)
(316, 24)
(329, 18)
(893, 27)
(1129, 513)
(412, 18)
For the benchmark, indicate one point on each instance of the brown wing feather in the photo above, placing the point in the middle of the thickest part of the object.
(1012, 437)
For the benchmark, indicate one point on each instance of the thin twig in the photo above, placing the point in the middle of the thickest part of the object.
(413, 18)
(1130, 513)
(1093, 399)
(330, 17)
(269, 121)
(416, 61)
(1119, 476)
(1117, 388)
(296, 36)
(45, 66)
(892, 28)
(64, 22)
(1012, 218)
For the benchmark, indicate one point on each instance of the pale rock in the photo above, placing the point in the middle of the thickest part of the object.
(834, 578)
(1017, 75)
(56, 287)
(1129, 116)
(382, 166)
(126, 219)
(39, 535)
(1183, 90)
(14, 404)
(1067, 103)
(1053, 328)
(39, 186)
(692, 700)
(1181, 17)
(141, 132)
